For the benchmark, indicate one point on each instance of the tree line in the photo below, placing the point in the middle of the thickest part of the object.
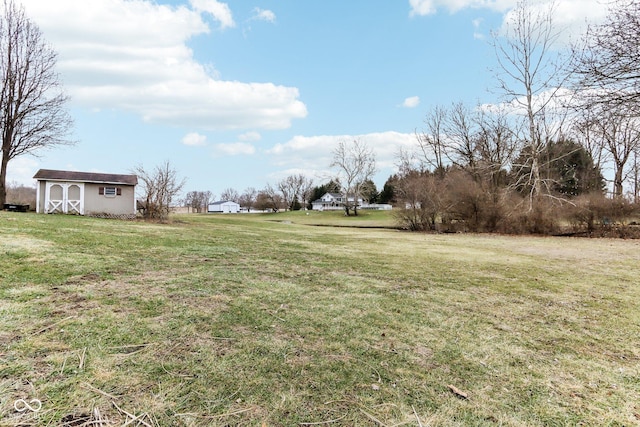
(534, 162)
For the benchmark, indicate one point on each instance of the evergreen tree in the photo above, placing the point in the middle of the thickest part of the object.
(567, 169)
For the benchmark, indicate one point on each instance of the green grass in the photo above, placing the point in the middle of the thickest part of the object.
(266, 320)
(365, 218)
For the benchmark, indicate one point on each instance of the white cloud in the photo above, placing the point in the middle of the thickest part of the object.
(429, 7)
(263, 15)
(250, 136)
(314, 153)
(552, 100)
(422, 7)
(477, 24)
(571, 15)
(235, 149)
(194, 139)
(220, 11)
(572, 12)
(411, 102)
(21, 170)
(133, 55)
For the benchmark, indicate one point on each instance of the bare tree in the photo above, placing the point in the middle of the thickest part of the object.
(198, 200)
(294, 188)
(159, 188)
(306, 189)
(248, 198)
(530, 75)
(230, 195)
(32, 113)
(356, 164)
(432, 150)
(608, 68)
(270, 199)
(413, 191)
(619, 137)
(288, 189)
(583, 129)
(481, 141)
(497, 145)
(461, 129)
(421, 196)
(608, 81)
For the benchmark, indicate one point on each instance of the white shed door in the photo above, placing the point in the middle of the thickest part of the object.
(64, 197)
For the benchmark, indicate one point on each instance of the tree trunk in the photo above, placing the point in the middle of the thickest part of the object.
(617, 181)
(3, 189)
(535, 147)
(635, 177)
(535, 176)
(345, 203)
(3, 179)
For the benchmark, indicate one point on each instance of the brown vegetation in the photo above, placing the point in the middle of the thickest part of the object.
(535, 165)
(21, 195)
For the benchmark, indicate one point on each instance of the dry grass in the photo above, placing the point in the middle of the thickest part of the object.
(243, 320)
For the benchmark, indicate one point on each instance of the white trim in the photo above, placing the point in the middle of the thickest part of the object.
(64, 205)
(38, 197)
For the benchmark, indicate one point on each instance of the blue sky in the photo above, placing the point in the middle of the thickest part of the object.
(242, 93)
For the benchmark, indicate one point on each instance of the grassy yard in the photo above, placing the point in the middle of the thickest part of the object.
(264, 320)
(365, 218)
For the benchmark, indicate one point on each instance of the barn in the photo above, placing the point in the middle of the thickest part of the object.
(86, 193)
(224, 207)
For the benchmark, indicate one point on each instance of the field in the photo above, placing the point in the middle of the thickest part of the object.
(268, 320)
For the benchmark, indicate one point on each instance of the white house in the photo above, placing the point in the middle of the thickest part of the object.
(86, 193)
(331, 202)
(335, 202)
(224, 207)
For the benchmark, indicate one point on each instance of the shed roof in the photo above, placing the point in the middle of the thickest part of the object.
(103, 178)
(222, 202)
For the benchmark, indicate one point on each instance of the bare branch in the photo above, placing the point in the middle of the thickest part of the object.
(32, 102)
(158, 189)
(355, 163)
(530, 75)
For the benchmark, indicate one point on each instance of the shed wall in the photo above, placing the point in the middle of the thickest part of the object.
(226, 207)
(96, 203)
(40, 191)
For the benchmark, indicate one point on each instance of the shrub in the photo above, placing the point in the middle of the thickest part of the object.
(414, 218)
(597, 215)
(474, 202)
(523, 218)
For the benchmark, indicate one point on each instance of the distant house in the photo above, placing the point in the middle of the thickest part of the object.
(331, 202)
(335, 202)
(86, 193)
(225, 206)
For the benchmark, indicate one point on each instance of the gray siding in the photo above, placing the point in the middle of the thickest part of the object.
(41, 188)
(96, 203)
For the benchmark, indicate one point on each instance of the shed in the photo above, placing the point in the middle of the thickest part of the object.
(226, 206)
(86, 193)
